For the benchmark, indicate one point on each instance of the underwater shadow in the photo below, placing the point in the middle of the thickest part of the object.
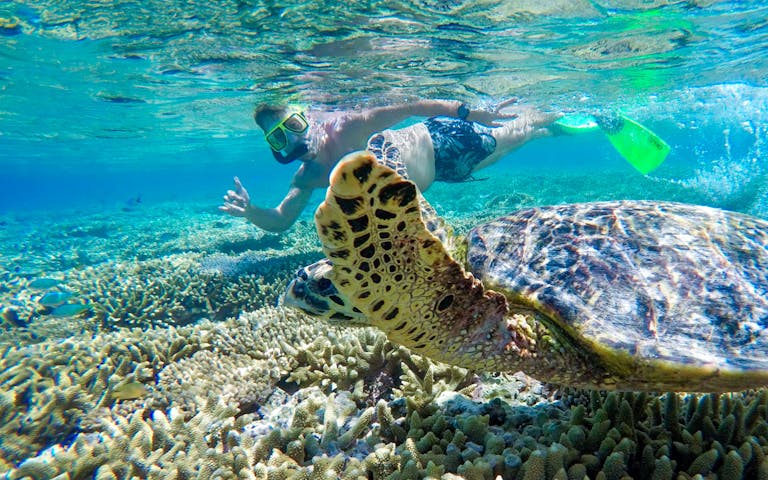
(265, 242)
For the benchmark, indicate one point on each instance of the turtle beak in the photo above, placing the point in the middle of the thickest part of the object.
(312, 292)
(297, 295)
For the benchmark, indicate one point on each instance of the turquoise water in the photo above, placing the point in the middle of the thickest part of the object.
(117, 100)
(123, 123)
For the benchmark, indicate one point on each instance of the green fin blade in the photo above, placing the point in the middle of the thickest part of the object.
(642, 148)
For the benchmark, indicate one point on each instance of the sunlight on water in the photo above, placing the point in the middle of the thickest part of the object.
(719, 135)
(192, 66)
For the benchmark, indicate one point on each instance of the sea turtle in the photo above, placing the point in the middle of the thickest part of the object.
(627, 295)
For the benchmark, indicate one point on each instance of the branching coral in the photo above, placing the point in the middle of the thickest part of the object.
(53, 390)
(175, 290)
(275, 394)
(151, 445)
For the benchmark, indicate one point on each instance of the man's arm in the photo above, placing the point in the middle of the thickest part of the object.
(282, 217)
(366, 123)
(370, 121)
(238, 203)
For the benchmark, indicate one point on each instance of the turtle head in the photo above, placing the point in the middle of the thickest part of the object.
(313, 292)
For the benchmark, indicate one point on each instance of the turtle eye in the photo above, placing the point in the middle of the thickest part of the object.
(302, 274)
(324, 284)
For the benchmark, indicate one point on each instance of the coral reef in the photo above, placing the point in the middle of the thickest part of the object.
(134, 269)
(274, 394)
(233, 266)
(166, 377)
(54, 389)
(175, 290)
(61, 241)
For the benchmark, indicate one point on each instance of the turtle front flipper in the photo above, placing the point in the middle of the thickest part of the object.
(401, 277)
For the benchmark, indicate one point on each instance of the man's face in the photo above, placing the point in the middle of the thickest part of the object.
(286, 135)
(282, 130)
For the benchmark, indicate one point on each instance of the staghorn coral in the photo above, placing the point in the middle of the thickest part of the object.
(235, 379)
(175, 290)
(187, 357)
(243, 363)
(69, 383)
(364, 362)
(142, 294)
(220, 406)
(151, 445)
(142, 268)
(233, 266)
(53, 390)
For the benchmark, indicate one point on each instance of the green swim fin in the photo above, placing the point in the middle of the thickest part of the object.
(639, 146)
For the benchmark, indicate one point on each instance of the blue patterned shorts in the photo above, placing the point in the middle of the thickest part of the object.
(459, 146)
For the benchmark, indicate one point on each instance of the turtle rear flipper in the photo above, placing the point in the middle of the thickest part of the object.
(396, 272)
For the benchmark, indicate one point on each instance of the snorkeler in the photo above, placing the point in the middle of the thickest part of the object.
(449, 146)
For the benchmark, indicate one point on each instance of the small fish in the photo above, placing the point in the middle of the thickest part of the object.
(132, 203)
(43, 282)
(129, 391)
(54, 299)
(70, 310)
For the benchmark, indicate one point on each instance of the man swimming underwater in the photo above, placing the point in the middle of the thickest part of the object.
(449, 146)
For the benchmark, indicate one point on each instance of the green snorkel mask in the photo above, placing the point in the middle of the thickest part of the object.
(277, 137)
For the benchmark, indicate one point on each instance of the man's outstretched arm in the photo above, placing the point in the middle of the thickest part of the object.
(238, 203)
(364, 124)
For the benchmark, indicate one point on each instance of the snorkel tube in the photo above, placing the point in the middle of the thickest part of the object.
(297, 152)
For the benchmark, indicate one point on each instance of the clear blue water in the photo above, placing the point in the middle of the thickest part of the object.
(106, 102)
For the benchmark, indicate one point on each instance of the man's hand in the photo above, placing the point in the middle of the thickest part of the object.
(236, 202)
(490, 116)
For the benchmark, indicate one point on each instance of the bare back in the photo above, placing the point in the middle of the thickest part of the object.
(332, 136)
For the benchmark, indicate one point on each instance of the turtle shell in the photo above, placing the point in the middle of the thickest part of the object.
(660, 281)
